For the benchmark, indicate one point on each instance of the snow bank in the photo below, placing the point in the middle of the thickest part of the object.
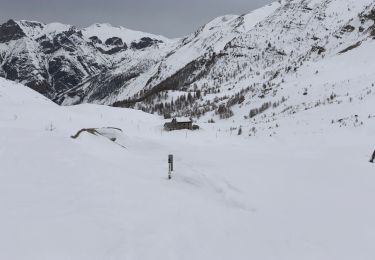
(303, 196)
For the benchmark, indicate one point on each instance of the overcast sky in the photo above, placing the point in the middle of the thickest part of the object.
(172, 18)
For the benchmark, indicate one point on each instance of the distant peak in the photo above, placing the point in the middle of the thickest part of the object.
(104, 31)
(10, 21)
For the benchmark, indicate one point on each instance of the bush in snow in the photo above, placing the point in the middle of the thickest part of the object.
(50, 127)
(239, 131)
(256, 111)
(224, 112)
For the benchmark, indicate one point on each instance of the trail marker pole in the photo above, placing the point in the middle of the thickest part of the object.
(170, 162)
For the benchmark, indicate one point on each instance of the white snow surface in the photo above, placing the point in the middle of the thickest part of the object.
(305, 193)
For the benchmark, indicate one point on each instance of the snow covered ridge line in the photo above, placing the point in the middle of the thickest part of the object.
(34, 29)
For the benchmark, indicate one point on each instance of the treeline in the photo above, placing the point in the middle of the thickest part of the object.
(192, 104)
(265, 106)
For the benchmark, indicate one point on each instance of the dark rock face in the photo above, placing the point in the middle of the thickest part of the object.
(10, 70)
(47, 47)
(318, 49)
(10, 31)
(65, 74)
(145, 42)
(33, 25)
(21, 68)
(369, 16)
(64, 41)
(349, 28)
(115, 41)
(95, 40)
(41, 87)
(113, 84)
(54, 63)
(113, 50)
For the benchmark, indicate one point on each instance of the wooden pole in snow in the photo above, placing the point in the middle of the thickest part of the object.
(170, 162)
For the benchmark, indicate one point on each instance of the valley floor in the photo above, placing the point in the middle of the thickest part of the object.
(305, 195)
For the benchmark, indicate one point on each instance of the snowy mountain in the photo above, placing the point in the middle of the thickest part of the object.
(231, 61)
(184, 61)
(255, 63)
(55, 58)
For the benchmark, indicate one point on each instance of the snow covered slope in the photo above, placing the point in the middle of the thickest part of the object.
(192, 56)
(89, 198)
(144, 71)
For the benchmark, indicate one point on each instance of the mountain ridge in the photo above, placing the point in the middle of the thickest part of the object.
(231, 58)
